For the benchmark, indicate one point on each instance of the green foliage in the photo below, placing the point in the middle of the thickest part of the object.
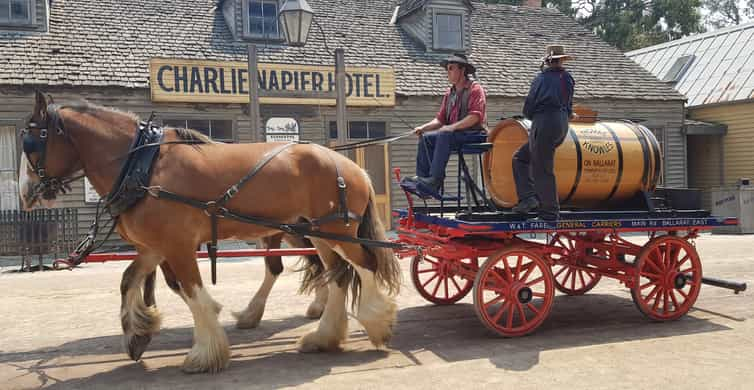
(632, 24)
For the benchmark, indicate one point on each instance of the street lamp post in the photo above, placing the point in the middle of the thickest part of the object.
(296, 17)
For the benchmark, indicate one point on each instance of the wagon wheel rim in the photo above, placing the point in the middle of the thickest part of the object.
(438, 281)
(514, 292)
(572, 280)
(668, 278)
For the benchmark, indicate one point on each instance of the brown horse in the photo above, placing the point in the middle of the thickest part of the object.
(291, 188)
(313, 280)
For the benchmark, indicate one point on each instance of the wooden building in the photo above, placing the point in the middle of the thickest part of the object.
(715, 71)
(185, 60)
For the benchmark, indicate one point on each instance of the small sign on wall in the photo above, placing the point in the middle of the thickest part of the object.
(90, 194)
(281, 137)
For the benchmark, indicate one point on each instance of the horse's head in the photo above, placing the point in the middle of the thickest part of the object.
(48, 155)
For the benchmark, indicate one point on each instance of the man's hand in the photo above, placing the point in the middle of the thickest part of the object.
(446, 128)
(419, 130)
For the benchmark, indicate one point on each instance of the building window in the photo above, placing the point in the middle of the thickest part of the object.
(448, 31)
(360, 130)
(679, 68)
(281, 130)
(262, 19)
(15, 11)
(217, 129)
(8, 173)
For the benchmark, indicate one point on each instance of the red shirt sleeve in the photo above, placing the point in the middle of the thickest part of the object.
(478, 103)
(442, 113)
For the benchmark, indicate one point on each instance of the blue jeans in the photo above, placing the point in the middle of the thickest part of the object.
(435, 148)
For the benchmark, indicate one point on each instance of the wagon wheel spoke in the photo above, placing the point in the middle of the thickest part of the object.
(560, 271)
(650, 283)
(533, 308)
(453, 279)
(683, 261)
(529, 269)
(437, 286)
(520, 309)
(567, 275)
(652, 294)
(581, 277)
(435, 276)
(519, 259)
(493, 301)
(673, 298)
(503, 309)
(535, 281)
(507, 269)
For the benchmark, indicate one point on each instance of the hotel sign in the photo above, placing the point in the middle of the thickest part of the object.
(193, 81)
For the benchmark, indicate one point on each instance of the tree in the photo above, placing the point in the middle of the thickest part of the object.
(631, 24)
(724, 13)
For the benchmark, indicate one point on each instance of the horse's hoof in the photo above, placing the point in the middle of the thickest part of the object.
(244, 320)
(314, 311)
(198, 362)
(136, 345)
(313, 342)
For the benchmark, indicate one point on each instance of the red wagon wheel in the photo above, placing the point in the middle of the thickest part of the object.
(513, 292)
(668, 278)
(439, 281)
(569, 279)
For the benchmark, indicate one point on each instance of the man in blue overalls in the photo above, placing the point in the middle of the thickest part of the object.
(461, 119)
(549, 105)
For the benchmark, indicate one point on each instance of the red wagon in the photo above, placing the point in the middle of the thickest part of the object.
(513, 267)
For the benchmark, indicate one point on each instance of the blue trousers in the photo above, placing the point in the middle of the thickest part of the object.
(435, 148)
(534, 162)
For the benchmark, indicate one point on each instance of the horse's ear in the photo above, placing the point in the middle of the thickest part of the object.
(40, 105)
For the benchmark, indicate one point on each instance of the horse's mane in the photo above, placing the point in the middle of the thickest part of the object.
(84, 106)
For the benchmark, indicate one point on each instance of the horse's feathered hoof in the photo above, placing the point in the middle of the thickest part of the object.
(210, 362)
(136, 345)
(248, 319)
(315, 310)
(314, 342)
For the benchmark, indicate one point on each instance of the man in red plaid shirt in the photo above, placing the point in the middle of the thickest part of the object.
(462, 119)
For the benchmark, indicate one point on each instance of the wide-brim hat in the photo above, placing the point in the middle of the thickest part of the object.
(460, 59)
(555, 52)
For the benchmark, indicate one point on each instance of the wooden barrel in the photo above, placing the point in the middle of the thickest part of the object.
(599, 163)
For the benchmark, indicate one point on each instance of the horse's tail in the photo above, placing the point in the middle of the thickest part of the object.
(388, 272)
(312, 267)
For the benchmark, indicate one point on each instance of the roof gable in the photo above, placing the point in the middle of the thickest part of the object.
(720, 67)
(408, 7)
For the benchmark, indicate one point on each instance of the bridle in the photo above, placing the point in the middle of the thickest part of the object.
(48, 186)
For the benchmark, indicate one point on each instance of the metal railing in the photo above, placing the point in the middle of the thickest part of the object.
(40, 233)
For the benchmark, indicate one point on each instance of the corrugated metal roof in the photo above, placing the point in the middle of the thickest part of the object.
(721, 67)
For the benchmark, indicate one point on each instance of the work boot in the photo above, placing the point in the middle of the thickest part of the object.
(526, 205)
(430, 183)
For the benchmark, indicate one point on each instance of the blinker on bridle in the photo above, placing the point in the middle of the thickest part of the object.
(48, 187)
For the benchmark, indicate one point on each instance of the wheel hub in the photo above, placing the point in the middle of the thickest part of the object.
(679, 281)
(524, 295)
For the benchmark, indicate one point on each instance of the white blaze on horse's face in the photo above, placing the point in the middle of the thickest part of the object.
(27, 179)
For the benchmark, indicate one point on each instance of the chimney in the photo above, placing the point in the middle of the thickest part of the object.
(532, 3)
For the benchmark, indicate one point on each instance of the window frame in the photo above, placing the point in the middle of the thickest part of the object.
(348, 131)
(32, 4)
(192, 117)
(436, 29)
(247, 26)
